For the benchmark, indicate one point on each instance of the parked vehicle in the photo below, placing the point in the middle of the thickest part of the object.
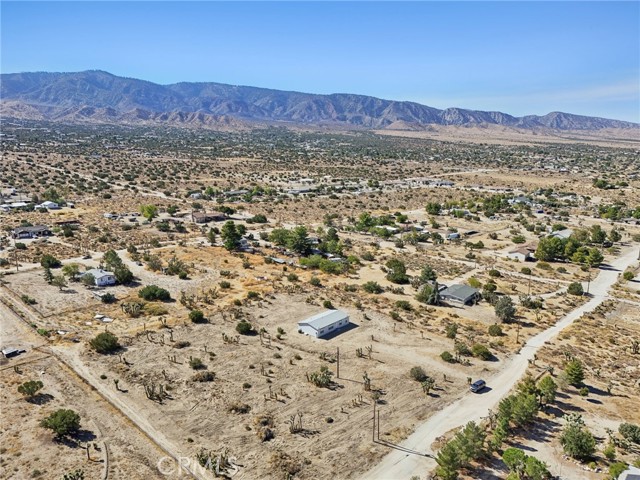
(477, 386)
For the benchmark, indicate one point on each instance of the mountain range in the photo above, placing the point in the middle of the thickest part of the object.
(100, 97)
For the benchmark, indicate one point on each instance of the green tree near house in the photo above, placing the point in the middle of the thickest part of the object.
(230, 236)
(149, 211)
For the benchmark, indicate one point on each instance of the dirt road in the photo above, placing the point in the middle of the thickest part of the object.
(399, 464)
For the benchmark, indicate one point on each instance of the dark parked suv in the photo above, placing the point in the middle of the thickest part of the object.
(477, 386)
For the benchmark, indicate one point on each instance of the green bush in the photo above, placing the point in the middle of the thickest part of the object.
(108, 298)
(224, 284)
(244, 328)
(575, 288)
(105, 342)
(196, 363)
(628, 275)
(447, 357)
(196, 316)
(49, 261)
(494, 273)
(481, 351)
(63, 422)
(153, 292)
(315, 281)
(495, 330)
(418, 374)
(630, 432)
(372, 287)
(328, 305)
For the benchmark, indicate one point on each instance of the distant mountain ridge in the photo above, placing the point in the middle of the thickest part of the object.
(99, 96)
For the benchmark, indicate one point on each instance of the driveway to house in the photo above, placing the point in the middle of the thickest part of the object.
(399, 464)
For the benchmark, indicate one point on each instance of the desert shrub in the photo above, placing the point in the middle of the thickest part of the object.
(239, 408)
(575, 288)
(196, 363)
(495, 330)
(244, 328)
(328, 305)
(404, 305)
(108, 298)
(252, 295)
(182, 344)
(372, 287)
(203, 377)
(418, 374)
(447, 357)
(481, 351)
(49, 261)
(315, 281)
(494, 273)
(292, 277)
(155, 310)
(153, 292)
(630, 432)
(196, 316)
(224, 284)
(628, 275)
(451, 330)
(105, 342)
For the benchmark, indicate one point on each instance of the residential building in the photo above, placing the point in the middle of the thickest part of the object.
(460, 294)
(324, 323)
(101, 277)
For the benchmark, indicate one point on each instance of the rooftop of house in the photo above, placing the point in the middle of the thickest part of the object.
(460, 291)
(97, 273)
(324, 319)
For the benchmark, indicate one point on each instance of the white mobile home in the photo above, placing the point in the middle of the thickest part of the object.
(324, 323)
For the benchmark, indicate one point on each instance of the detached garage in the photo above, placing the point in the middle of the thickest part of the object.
(324, 323)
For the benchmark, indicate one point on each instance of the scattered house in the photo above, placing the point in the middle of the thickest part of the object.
(324, 323)
(11, 352)
(453, 236)
(298, 191)
(461, 294)
(522, 254)
(62, 223)
(48, 205)
(102, 277)
(520, 199)
(31, 232)
(196, 196)
(390, 229)
(236, 193)
(631, 473)
(562, 234)
(203, 217)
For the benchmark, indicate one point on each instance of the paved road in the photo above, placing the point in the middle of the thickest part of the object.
(401, 465)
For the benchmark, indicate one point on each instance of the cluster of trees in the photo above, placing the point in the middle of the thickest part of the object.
(232, 234)
(296, 239)
(575, 248)
(325, 265)
(113, 263)
(514, 411)
(524, 467)
(576, 439)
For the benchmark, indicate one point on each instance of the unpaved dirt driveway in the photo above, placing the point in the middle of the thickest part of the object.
(399, 464)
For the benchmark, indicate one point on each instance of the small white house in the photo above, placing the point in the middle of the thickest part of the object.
(324, 323)
(49, 205)
(102, 277)
(521, 254)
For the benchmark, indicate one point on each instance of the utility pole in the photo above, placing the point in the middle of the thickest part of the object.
(529, 289)
(15, 252)
(378, 424)
(589, 278)
(373, 435)
(518, 333)
(338, 360)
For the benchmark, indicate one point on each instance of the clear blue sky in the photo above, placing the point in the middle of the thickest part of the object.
(516, 57)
